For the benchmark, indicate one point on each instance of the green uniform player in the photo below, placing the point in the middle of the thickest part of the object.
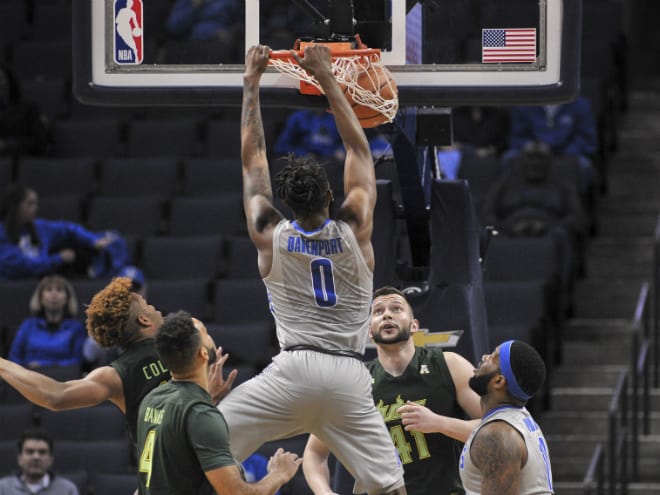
(429, 460)
(182, 435)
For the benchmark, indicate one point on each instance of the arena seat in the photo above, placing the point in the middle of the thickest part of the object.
(102, 422)
(211, 176)
(194, 216)
(171, 137)
(130, 177)
(181, 257)
(51, 177)
(240, 301)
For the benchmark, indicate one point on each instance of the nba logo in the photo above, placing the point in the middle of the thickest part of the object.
(129, 45)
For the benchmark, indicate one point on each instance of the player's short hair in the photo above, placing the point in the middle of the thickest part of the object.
(302, 184)
(177, 341)
(527, 367)
(108, 315)
(34, 433)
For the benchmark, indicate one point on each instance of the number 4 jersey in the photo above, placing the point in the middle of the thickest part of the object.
(430, 460)
(319, 287)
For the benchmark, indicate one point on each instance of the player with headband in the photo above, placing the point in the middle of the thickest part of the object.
(507, 453)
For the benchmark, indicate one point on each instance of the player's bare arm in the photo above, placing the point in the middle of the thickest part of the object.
(98, 386)
(281, 468)
(461, 371)
(359, 174)
(260, 214)
(499, 452)
(315, 466)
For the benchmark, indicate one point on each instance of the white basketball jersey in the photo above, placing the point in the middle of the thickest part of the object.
(536, 475)
(319, 287)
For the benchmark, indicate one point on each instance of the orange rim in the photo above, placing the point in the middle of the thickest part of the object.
(360, 52)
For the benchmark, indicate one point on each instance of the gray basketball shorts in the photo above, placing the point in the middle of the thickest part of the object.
(327, 395)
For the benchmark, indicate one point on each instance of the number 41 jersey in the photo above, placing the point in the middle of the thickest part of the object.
(319, 287)
(430, 460)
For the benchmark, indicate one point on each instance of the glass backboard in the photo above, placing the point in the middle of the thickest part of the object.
(441, 53)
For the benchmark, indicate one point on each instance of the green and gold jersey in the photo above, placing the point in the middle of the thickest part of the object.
(140, 371)
(430, 460)
(181, 435)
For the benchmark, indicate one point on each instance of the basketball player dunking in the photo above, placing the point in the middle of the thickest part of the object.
(318, 273)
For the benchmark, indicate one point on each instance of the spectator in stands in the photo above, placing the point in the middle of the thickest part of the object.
(569, 129)
(32, 247)
(204, 19)
(314, 132)
(24, 130)
(530, 201)
(52, 336)
(35, 458)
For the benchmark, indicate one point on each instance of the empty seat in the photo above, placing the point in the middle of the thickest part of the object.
(241, 259)
(130, 177)
(52, 21)
(240, 301)
(251, 343)
(85, 290)
(15, 418)
(13, 21)
(6, 172)
(481, 172)
(58, 176)
(62, 208)
(210, 176)
(223, 139)
(181, 257)
(172, 295)
(8, 453)
(101, 456)
(33, 59)
(95, 138)
(50, 95)
(140, 216)
(194, 216)
(113, 484)
(384, 237)
(102, 422)
(178, 137)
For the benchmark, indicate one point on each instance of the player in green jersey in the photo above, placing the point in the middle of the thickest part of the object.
(183, 440)
(424, 397)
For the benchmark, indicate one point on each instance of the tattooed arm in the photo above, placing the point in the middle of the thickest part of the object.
(260, 213)
(499, 452)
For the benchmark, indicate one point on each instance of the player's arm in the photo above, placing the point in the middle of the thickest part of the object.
(499, 452)
(315, 466)
(461, 371)
(260, 213)
(281, 468)
(416, 417)
(359, 174)
(100, 385)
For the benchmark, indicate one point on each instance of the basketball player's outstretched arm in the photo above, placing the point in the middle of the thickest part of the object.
(260, 213)
(359, 175)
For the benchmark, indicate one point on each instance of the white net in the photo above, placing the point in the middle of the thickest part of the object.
(352, 72)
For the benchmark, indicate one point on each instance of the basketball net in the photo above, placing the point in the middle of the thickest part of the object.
(348, 65)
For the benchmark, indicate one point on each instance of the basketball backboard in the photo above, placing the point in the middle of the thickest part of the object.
(442, 53)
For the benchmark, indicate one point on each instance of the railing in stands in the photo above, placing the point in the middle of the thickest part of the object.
(656, 305)
(594, 479)
(617, 436)
(640, 375)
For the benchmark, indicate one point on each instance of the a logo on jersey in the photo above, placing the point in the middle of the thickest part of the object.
(424, 369)
(129, 38)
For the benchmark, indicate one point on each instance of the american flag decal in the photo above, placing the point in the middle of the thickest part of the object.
(508, 45)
